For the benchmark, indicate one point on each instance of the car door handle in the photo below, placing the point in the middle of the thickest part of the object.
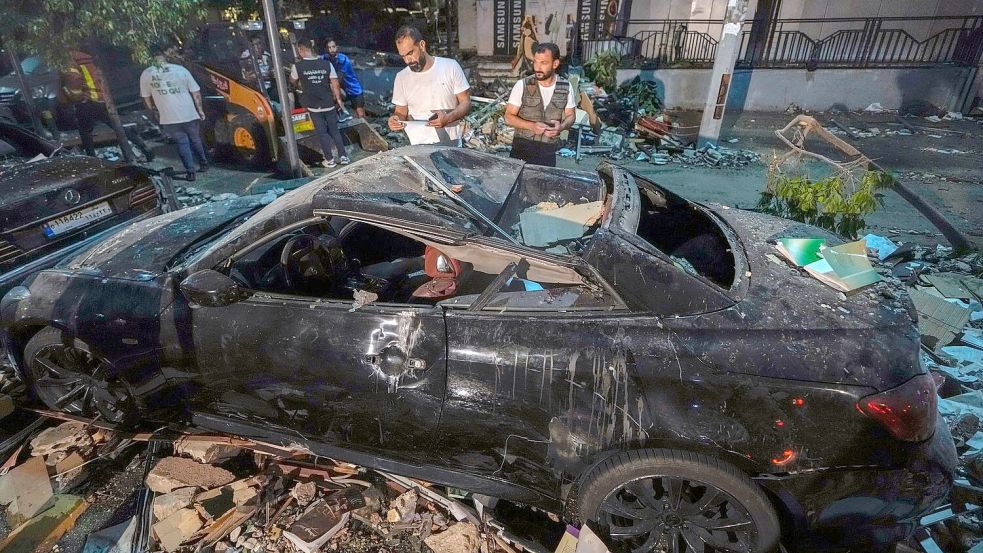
(393, 361)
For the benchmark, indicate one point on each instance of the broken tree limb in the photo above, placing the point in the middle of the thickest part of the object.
(803, 125)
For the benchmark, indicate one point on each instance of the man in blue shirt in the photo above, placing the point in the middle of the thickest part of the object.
(349, 81)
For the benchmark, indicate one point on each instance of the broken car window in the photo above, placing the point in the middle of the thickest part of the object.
(553, 209)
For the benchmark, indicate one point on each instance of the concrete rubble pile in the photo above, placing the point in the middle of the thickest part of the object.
(224, 494)
(947, 292)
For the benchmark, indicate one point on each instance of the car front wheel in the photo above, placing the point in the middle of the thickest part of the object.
(663, 500)
(67, 376)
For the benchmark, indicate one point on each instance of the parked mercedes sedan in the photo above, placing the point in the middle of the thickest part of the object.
(558, 338)
(53, 203)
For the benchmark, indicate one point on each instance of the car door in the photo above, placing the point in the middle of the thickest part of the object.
(369, 378)
(536, 382)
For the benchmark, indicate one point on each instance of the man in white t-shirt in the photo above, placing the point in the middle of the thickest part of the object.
(540, 107)
(170, 90)
(431, 90)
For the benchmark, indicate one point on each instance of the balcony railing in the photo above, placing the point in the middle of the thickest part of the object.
(808, 43)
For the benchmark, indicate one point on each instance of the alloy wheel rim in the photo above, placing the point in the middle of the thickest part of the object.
(676, 515)
(74, 380)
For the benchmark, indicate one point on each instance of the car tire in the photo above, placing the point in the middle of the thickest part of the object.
(66, 375)
(248, 141)
(643, 500)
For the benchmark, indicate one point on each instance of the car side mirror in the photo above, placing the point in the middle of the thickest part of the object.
(210, 288)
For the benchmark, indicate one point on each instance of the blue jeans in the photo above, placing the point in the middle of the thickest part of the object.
(188, 136)
(326, 128)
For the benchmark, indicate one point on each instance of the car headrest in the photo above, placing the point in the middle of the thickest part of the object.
(438, 265)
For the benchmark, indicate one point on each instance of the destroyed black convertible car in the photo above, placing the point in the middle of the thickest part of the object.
(536, 334)
(53, 203)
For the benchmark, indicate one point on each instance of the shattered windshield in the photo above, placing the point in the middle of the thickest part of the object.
(555, 210)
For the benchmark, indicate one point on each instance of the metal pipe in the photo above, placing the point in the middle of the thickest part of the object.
(269, 20)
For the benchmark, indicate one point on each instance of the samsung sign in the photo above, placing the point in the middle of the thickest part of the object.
(508, 25)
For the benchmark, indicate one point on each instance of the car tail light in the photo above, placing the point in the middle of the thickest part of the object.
(908, 412)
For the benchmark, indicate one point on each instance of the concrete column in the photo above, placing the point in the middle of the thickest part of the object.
(723, 68)
(270, 22)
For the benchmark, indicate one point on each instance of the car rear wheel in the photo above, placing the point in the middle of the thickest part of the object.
(67, 376)
(663, 500)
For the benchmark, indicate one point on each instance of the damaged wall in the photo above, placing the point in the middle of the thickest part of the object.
(775, 89)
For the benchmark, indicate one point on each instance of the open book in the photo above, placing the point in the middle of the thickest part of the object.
(845, 268)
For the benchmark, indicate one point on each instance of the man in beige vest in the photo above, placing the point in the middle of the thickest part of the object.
(540, 107)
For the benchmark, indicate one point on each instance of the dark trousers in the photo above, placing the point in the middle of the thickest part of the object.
(87, 114)
(326, 128)
(530, 151)
(188, 138)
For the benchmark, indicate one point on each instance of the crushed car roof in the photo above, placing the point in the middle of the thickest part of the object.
(484, 182)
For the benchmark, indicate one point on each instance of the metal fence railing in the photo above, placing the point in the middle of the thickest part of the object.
(809, 43)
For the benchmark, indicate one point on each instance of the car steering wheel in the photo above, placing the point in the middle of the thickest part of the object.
(308, 263)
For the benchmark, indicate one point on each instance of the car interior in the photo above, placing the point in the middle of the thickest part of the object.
(334, 258)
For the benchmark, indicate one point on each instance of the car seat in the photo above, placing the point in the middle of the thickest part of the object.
(445, 272)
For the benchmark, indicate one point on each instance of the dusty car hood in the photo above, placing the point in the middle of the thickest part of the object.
(142, 251)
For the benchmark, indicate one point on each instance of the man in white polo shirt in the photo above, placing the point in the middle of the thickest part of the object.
(431, 95)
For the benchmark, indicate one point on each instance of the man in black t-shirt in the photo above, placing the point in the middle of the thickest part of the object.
(321, 98)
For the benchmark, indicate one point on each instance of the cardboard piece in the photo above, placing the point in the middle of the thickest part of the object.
(800, 251)
(26, 490)
(939, 321)
(568, 543)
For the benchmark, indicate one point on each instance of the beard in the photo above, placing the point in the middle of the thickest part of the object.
(544, 75)
(418, 65)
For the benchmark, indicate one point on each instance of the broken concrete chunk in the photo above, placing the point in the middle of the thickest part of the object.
(172, 473)
(177, 528)
(26, 490)
(403, 507)
(462, 537)
(169, 503)
(215, 503)
(209, 450)
(60, 438)
(304, 492)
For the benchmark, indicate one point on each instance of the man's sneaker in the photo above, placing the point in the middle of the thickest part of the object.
(345, 116)
(190, 177)
(203, 168)
(329, 163)
(345, 161)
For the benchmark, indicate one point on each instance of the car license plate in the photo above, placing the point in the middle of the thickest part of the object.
(76, 219)
(302, 122)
